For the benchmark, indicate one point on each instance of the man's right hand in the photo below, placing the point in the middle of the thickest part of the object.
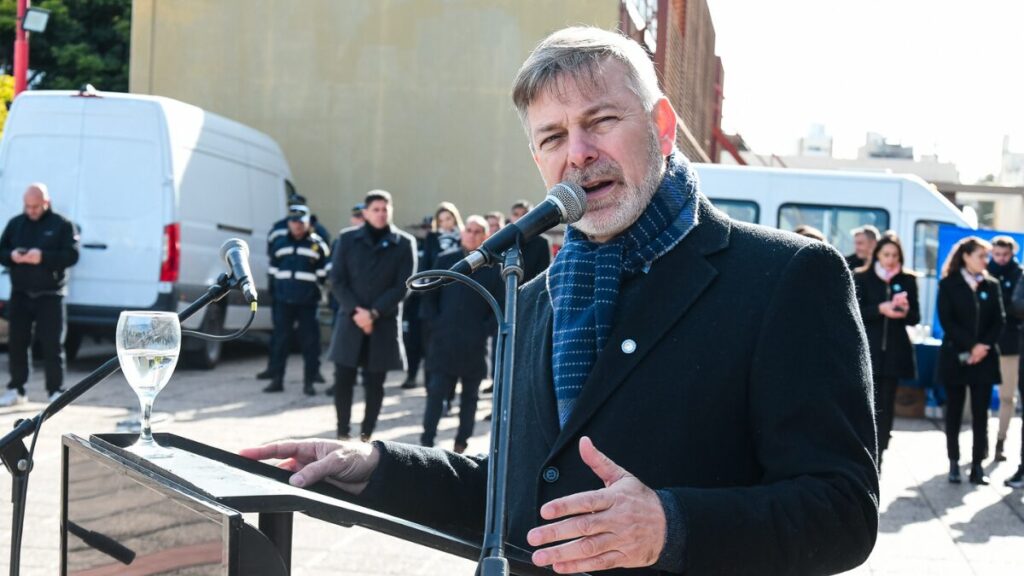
(347, 465)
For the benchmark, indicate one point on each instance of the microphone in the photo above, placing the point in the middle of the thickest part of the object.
(235, 253)
(566, 202)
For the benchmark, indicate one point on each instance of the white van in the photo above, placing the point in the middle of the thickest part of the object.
(155, 187)
(836, 202)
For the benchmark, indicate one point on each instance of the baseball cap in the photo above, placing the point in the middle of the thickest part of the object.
(357, 210)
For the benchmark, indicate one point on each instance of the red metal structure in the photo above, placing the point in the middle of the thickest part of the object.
(20, 50)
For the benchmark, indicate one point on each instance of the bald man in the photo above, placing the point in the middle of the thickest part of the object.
(37, 247)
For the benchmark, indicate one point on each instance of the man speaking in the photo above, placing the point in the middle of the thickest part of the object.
(692, 394)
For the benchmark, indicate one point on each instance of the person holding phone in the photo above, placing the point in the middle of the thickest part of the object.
(887, 295)
(971, 312)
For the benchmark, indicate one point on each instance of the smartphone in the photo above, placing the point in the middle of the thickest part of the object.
(21, 250)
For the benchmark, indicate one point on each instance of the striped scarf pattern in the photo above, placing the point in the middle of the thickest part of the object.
(584, 279)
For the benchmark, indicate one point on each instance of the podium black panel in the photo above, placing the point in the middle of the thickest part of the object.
(123, 514)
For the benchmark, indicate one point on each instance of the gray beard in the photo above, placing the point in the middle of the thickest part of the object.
(632, 204)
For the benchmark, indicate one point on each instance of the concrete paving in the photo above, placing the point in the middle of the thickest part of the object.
(927, 525)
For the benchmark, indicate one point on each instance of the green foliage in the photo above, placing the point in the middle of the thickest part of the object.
(86, 41)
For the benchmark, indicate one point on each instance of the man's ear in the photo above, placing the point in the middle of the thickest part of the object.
(664, 117)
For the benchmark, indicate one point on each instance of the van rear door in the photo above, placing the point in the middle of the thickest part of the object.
(123, 202)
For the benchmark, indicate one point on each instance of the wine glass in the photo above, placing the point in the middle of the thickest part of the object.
(147, 348)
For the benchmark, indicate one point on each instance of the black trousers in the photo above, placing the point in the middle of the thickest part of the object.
(344, 383)
(285, 318)
(885, 405)
(981, 395)
(48, 315)
(439, 388)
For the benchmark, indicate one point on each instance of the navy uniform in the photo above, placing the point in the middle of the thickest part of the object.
(299, 269)
(277, 231)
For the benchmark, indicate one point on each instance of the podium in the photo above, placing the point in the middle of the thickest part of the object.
(123, 514)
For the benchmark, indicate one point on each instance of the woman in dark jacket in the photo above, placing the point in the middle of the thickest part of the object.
(887, 295)
(971, 313)
(445, 231)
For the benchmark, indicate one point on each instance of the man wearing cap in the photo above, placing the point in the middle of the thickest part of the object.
(278, 230)
(299, 266)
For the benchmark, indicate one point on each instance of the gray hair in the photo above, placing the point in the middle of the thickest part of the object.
(579, 53)
(479, 221)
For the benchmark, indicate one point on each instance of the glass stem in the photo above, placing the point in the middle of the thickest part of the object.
(146, 434)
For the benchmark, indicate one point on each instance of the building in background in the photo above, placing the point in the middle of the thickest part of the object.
(1012, 172)
(817, 143)
(405, 95)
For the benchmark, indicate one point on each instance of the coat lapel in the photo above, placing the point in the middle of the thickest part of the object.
(671, 287)
(536, 358)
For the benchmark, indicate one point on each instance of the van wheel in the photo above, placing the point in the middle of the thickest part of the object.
(72, 343)
(206, 354)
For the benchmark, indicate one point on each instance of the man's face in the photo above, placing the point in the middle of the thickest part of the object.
(356, 220)
(473, 235)
(35, 204)
(863, 246)
(601, 138)
(518, 212)
(298, 228)
(378, 213)
(1002, 255)
(493, 225)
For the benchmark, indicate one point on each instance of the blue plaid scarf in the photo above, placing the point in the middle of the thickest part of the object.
(584, 278)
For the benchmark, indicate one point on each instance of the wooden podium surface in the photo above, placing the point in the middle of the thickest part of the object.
(216, 486)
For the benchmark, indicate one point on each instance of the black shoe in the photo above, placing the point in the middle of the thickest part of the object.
(319, 379)
(329, 391)
(308, 390)
(265, 375)
(978, 475)
(344, 436)
(274, 386)
(1000, 457)
(954, 472)
(365, 437)
(1017, 480)
(488, 390)
(408, 384)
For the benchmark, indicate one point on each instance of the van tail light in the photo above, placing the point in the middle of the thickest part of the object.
(171, 254)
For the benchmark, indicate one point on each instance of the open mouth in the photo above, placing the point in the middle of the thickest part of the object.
(598, 186)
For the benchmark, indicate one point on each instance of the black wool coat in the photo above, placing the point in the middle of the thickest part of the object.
(536, 257)
(969, 318)
(371, 276)
(742, 393)
(460, 321)
(892, 353)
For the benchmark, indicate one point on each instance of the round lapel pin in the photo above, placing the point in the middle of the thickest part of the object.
(628, 346)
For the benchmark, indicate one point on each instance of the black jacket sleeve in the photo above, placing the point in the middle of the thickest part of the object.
(341, 284)
(1018, 291)
(868, 305)
(914, 312)
(992, 329)
(816, 510)
(7, 245)
(66, 255)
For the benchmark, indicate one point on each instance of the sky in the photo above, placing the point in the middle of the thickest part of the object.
(943, 76)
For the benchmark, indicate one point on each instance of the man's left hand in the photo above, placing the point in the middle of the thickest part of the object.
(33, 256)
(619, 526)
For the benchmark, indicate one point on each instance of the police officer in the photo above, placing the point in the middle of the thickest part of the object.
(37, 247)
(299, 265)
(278, 230)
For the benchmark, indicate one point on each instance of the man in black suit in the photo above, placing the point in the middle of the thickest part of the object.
(461, 322)
(692, 394)
(368, 274)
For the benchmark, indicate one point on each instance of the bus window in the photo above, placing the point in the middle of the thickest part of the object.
(742, 210)
(926, 247)
(835, 222)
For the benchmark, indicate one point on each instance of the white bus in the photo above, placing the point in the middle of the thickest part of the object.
(836, 202)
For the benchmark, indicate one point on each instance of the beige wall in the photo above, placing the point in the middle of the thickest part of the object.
(407, 95)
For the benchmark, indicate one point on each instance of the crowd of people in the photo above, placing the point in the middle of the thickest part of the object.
(980, 303)
(379, 325)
